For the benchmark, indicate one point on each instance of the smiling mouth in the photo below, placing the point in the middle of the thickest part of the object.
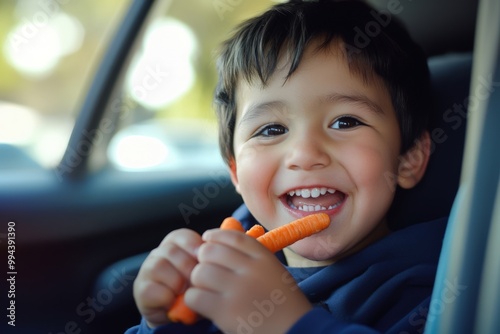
(314, 199)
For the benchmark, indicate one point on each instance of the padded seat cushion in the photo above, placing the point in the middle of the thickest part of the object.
(433, 197)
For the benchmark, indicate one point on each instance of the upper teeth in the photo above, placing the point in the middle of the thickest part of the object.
(314, 192)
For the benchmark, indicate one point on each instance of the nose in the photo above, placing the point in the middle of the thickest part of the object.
(308, 152)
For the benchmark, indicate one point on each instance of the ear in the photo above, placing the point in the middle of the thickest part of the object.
(413, 163)
(234, 175)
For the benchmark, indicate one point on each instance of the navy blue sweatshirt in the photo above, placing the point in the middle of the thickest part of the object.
(384, 288)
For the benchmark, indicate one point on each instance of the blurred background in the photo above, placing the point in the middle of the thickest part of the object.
(50, 51)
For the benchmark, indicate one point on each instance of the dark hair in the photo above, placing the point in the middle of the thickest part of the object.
(373, 42)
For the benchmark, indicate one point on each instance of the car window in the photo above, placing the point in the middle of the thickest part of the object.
(49, 52)
(164, 99)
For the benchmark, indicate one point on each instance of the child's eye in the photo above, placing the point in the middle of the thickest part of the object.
(346, 122)
(271, 130)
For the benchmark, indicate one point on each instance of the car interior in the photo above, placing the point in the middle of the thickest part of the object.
(83, 228)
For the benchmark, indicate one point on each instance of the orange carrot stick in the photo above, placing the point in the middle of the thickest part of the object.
(231, 223)
(179, 312)
(256, 231)
(288, 234)
(273, 240)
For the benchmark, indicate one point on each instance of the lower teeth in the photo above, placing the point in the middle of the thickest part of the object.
(309, 208)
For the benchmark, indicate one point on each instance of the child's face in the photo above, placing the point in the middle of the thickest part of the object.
(321, 141)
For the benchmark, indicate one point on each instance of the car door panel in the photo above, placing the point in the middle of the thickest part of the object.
(74, 230)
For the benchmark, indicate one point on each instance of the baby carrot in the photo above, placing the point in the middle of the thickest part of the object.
(256, 231)
(179, 312)
(231, 223)
(288, 234)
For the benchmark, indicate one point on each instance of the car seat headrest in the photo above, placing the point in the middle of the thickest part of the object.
(432, 198)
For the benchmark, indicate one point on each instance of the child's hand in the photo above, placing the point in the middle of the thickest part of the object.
(240, 285)
(165, 274)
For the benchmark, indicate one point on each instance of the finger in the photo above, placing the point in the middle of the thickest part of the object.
(212, 277)
(236, 240)
(169, 256)
(223, 255)
(160, 270)
(186, 239)
(203, 301)
(152, 296)
(179, 248)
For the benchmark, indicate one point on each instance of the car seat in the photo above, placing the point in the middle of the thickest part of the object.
(466, 294)
(433, 197)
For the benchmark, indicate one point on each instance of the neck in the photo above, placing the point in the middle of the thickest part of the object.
(295, 260)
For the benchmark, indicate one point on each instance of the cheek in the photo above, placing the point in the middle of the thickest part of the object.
(373, 172)
(255, 171)
(372, 161)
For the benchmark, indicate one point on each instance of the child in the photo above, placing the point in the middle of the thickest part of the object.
(322, 106)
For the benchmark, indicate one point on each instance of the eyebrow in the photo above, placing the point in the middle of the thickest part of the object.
(354, 99)
(256, 110)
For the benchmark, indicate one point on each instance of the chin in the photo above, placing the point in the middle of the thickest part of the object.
(315, 249)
